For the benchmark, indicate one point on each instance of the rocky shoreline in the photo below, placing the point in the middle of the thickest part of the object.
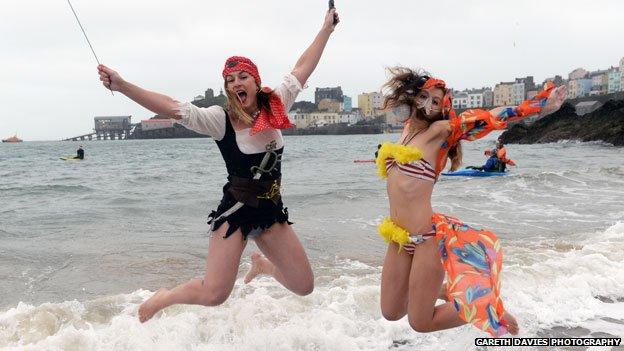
(605, 124)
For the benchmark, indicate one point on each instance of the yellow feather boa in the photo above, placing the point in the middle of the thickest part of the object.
(401, 153)
(391, 232)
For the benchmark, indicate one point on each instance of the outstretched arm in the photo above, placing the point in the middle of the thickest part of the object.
(475, 124)
(544, 103)
(310, 58)
(155, 102)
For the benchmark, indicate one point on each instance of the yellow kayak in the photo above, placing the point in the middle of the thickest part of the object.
(71, 158)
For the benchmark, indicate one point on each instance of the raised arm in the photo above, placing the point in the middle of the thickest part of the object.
(155, 102)
(310, 58)
(475, 124)
(544, 103)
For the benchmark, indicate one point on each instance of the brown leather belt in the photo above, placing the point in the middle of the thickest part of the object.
(250, 191)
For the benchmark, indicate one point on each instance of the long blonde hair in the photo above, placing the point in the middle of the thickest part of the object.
(234, 106)
(403, 87)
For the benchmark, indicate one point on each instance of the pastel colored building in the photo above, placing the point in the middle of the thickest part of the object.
(579, 88)
(369, 102)
(347, 103)
(615, 80)
(578, 74)
(503, 94)
(600, 82)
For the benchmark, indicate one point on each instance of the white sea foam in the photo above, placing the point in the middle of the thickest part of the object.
(561, 286)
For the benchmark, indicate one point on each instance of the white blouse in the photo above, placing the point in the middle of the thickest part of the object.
(211, 120)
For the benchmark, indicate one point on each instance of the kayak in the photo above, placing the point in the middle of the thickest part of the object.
(71, 158)
(473, 173)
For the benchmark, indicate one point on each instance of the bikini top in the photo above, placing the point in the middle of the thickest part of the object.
(407, 159)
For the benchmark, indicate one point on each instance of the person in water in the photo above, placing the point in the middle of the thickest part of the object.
(497, 159)
(491, 165)
(501, 156)
(423, 245)
(80, 152)
(247, 133)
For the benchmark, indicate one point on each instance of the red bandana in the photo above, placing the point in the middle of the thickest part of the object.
(276, 118)
(447, 105)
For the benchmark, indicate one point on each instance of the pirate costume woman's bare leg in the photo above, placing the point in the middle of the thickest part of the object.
(222, 262)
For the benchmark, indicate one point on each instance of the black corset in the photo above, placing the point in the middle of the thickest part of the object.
(240, 164)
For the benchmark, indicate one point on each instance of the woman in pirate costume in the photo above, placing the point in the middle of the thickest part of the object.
(248, 135)
(425, 246)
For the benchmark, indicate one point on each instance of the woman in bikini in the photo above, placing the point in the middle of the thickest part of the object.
(424, 246)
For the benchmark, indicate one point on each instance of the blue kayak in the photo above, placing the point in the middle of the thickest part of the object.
(473, 173)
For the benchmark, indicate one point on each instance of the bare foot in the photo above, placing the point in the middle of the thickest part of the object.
(511, 323)
(154, 304)
(258, 266)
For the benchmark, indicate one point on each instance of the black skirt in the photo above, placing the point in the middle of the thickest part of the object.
(250, 220)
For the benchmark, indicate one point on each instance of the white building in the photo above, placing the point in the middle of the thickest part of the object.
(460, 100)
(615, 79)
(350, 117)
(517, 93)
(475, 100)
(377, 99)
(314, 119)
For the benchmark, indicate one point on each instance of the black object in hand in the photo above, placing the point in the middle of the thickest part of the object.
(331, 6)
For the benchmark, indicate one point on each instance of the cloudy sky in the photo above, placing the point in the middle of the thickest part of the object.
(49, 88)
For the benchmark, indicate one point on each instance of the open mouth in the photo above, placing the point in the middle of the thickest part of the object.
(242, 96)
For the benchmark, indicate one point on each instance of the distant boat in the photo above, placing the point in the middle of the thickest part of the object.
(13, 139)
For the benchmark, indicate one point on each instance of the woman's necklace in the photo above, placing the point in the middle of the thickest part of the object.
(413, 135)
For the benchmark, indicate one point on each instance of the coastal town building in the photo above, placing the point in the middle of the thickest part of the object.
(578, 74)
(299, 119)
(334, 93)
(330, 105)
(615, 80)
(503, 94)
(473, 98)
(488, 97)
(600, 82)
(351, 117)
(557, 80)
(314, 119)
(520, 87)
(347, 104)
(579, 88)
(368, 103)
(460, 100)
